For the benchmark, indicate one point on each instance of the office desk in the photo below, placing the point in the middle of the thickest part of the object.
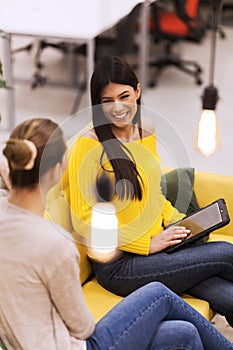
(70, 20)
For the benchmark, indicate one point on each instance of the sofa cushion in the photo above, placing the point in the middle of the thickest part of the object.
(210, 187)
(100, 301)
(201, 306)
(216, 237)
(177, 187)
(2, 346)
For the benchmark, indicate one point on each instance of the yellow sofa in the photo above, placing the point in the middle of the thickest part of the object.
(208, 187)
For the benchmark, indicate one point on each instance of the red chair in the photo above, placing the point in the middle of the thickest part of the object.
(172, 25)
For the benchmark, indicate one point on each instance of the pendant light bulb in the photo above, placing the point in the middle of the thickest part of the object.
(207, 136)
(207, 139)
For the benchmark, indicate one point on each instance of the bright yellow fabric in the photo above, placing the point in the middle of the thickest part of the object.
(209, 187)
(138, 220)
(100, 301)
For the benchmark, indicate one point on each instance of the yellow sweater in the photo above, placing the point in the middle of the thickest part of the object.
(138, 220)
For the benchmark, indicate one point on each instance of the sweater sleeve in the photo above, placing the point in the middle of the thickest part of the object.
(63, 283)
(170, 214)
(138, 220)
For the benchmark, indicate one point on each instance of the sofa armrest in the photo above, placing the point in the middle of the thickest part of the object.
(209, 187)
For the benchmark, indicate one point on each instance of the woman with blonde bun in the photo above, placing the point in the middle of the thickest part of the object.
(42, 306)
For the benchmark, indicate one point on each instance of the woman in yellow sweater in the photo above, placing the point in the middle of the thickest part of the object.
(42, 305)
(122, 147)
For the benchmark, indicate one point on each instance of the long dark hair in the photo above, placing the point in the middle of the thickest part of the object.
(113, 69)
(40, 136)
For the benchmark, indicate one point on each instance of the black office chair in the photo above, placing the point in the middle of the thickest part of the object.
(227, 12)
(171, 25)
(206, 6)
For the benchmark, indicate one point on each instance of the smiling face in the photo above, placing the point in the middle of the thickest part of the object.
(119, 104)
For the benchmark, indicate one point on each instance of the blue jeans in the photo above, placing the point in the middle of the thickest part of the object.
(204, 271)
(153, 317)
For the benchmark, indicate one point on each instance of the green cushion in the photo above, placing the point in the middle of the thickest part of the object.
(2, 346)
(177, 187)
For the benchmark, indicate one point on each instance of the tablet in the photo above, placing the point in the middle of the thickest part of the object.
(201, 223)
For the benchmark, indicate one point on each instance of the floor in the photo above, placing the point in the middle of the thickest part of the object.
(220, 323)
(175, 105)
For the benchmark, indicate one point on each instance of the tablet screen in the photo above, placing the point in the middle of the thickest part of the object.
(202, 220)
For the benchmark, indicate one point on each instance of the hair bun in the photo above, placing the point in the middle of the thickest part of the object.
(33, 150)
(21, 154)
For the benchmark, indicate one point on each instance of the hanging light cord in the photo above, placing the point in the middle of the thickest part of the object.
(215, 23)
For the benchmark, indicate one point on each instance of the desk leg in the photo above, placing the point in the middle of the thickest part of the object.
(8, 75)
(73, 66)
(144, 47)
(90, 62)
(90, 65)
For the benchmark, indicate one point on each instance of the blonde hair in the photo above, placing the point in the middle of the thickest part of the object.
(34, 147)
(21, 154)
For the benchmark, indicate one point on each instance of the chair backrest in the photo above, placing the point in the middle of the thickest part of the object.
(181, 21)
(126, 29)
(186, 8)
